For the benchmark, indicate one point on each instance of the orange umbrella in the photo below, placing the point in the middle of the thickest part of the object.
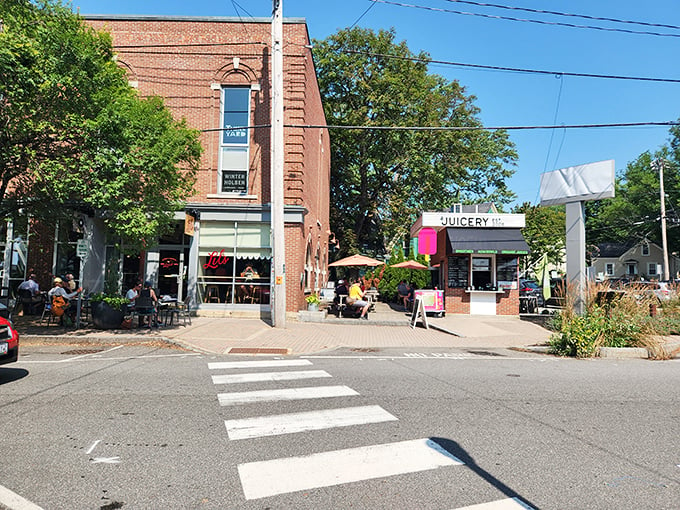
(409, 264)
(356, 260)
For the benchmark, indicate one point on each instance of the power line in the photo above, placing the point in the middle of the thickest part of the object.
(453, 128)
(526, 20)
(364, 14)
(566, 14)
(514, 69)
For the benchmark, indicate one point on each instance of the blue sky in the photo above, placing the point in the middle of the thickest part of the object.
(507, 98)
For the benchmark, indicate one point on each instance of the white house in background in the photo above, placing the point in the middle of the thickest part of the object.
(640, 260)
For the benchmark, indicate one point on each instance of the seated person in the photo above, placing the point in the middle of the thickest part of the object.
(411, 296)
(402, 290)
(248, 291)
(356, 298)
(340, 290)
(30, 287)
(146, 303)
(60, 299)
(133, 294)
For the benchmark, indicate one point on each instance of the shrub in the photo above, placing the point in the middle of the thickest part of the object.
(115, 302)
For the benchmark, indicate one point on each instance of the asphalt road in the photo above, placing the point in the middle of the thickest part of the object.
(136, 427)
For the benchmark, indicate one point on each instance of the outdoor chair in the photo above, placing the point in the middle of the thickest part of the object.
(145, 307)
(182, 311)
(47, 315)
(28, 302)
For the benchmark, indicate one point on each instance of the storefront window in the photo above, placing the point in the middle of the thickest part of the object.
(482, 276)
(234, 263)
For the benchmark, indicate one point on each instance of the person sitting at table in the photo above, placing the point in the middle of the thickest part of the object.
(69, 282)
(356, 298)
(411, 296)
(340, 290)
(402, 290)
(61, 301)
(31, 295)
(132, 294)
(146, 303)
(248, 291)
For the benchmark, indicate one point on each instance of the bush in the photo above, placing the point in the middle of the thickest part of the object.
(115, 302)
(620, 322)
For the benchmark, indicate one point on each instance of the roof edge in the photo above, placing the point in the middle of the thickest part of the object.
(213, 19)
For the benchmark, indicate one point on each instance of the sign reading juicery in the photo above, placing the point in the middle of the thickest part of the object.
(472, 220)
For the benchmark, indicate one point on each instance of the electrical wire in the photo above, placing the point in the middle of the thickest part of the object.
(359, 18)
(453, 128)
(526, 20)
(566, 14)
(512, 69)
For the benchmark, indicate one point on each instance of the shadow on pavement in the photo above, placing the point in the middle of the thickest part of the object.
(8, 375)
(462, 455)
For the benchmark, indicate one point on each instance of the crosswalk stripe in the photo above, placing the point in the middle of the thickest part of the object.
(269, 376)
(302, 422)
(247, 397)
(259, 364)
(501, 504)
(281, 476)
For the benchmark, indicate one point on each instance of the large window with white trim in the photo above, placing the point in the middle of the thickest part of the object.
(234, 143)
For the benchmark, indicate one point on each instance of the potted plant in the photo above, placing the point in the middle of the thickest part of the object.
(108, 310)
(313, 302)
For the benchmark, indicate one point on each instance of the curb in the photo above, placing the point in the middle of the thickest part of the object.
(623, 352)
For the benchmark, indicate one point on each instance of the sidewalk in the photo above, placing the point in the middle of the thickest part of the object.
(385, 328)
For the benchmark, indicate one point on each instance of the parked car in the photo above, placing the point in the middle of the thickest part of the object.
(9, 342)
(533, 289)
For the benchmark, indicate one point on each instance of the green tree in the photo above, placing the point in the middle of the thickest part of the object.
(382, 179)
(74, 134)
(544, 231)
(634, 213)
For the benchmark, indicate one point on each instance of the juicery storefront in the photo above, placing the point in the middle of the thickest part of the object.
(477, 255)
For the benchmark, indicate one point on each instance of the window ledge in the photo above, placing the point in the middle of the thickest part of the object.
(499, 291)
(232, 195)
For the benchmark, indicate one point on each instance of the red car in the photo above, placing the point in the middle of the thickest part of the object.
(9, 342)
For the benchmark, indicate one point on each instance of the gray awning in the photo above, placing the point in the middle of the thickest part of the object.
(486, 240)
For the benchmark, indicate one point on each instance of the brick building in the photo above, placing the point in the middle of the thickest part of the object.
(216, 73)
(477, 257)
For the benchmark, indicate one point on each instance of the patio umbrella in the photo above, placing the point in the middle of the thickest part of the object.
(410, 264)
(356, 261)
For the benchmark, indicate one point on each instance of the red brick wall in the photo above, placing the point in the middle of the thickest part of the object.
(180, 60)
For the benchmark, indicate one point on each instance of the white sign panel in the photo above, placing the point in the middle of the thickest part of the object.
(472, 220)
(592, 181)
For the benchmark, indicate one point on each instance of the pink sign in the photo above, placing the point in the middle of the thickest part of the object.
(427, 241)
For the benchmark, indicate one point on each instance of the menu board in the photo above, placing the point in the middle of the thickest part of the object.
(459, 271)
(506, 271)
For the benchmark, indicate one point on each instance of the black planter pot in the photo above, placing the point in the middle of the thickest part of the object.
(105, 317)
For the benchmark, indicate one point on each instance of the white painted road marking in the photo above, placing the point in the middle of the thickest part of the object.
(502, 504)
(105, 460)
(302, 422)
(94, 445)
(259, 364)
(15, 502)
(280, 476)
(269, 376)
(247, 397)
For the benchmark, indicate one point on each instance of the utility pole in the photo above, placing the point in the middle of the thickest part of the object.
(657, 164)
(278, 267)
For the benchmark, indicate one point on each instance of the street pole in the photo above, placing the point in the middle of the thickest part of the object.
(657, 164)
(278, 267)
